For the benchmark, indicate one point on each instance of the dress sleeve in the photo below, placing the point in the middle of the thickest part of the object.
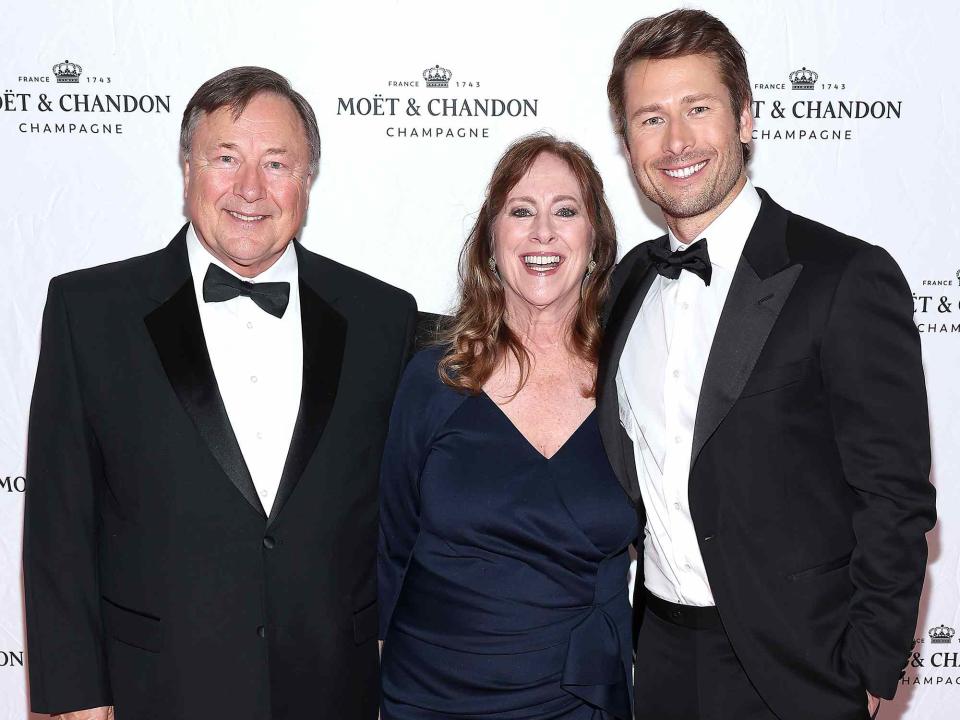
(420, 408)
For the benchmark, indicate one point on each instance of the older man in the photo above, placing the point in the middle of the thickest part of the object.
(762, 400)
(204, 443)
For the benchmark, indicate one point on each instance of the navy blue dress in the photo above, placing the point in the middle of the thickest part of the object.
(502, 574)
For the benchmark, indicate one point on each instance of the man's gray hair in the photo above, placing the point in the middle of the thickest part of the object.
(236, 87)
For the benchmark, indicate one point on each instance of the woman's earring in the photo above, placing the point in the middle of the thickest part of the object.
(591, 266)
(492, 264)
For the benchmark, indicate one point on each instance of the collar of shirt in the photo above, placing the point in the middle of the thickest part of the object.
(728, 233)
(285, 269)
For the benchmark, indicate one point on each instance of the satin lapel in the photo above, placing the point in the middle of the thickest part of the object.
(324, 339)
(622, 315)
(178, 336)
(760, 287)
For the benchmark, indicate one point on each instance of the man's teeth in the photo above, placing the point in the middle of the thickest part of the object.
(246, 218)
(685, 172)
(542, 262)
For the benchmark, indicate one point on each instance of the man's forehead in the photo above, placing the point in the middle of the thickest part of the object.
(683, 74)
(262, 115)
(263, 107)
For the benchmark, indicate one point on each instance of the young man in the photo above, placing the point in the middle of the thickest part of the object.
(762, 401)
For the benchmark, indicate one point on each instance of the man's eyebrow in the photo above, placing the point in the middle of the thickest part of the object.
(685, 100)
(655, 107)
(268, 151)
(699, 97)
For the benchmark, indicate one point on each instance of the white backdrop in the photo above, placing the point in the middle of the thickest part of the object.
(85, 183)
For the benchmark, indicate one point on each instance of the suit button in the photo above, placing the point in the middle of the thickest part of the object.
(675, 614)
(261, 631)
(269, 543)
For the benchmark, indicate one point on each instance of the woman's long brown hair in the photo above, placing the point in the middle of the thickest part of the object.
(477, 338)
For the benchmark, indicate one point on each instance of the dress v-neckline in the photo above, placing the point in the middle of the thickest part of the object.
(526, 440)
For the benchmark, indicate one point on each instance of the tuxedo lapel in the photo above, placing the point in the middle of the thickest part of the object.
(620, 321)
(760, 287)
(177, 334)
(324, 340)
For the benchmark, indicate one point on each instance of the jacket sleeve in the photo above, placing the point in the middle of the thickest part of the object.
(61, 588)
(420, 410)
(399, 492)
(873, 375)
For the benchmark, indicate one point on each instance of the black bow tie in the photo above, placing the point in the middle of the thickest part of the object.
(695, 259)
(271, 297)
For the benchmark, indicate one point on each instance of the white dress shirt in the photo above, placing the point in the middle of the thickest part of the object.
(258, 362)
(658, 387)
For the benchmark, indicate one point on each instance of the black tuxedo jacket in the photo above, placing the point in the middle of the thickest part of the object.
(808, 484)
(154, 581)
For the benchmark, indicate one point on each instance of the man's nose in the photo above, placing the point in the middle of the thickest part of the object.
(249, 182)
(679, 138)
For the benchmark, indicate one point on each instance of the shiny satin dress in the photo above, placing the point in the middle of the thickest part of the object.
(502, 574)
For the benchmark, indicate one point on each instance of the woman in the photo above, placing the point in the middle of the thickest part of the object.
(503, 531)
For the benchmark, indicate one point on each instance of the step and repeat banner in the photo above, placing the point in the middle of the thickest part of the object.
(856, 107)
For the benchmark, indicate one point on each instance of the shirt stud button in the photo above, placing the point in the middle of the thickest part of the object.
(676, 373)
(250, 325)
(253, 379)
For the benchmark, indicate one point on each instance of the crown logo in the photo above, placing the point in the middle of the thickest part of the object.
(437, 76)
(941, 634)
(67, 72)
(803, 79)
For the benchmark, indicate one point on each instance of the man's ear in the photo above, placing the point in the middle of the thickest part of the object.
(186, 175)
(746, 124)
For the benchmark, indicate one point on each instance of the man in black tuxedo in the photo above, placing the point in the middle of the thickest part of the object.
(762, 401)
(204, 447)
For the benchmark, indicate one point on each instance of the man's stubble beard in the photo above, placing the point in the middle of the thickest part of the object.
(703, 201)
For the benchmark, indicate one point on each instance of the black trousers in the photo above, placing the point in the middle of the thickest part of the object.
(686, 669)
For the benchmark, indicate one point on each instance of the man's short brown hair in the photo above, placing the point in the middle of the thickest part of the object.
(676, 34)
(236, 87)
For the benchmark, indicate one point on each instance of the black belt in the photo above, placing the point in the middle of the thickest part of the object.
(688, 616)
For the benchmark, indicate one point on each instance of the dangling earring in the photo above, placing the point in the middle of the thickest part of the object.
(591, 266)
(492, 264)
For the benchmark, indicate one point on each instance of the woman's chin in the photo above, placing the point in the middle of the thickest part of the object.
(539, 299)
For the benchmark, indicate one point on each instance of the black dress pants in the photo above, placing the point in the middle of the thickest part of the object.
(686, 669)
